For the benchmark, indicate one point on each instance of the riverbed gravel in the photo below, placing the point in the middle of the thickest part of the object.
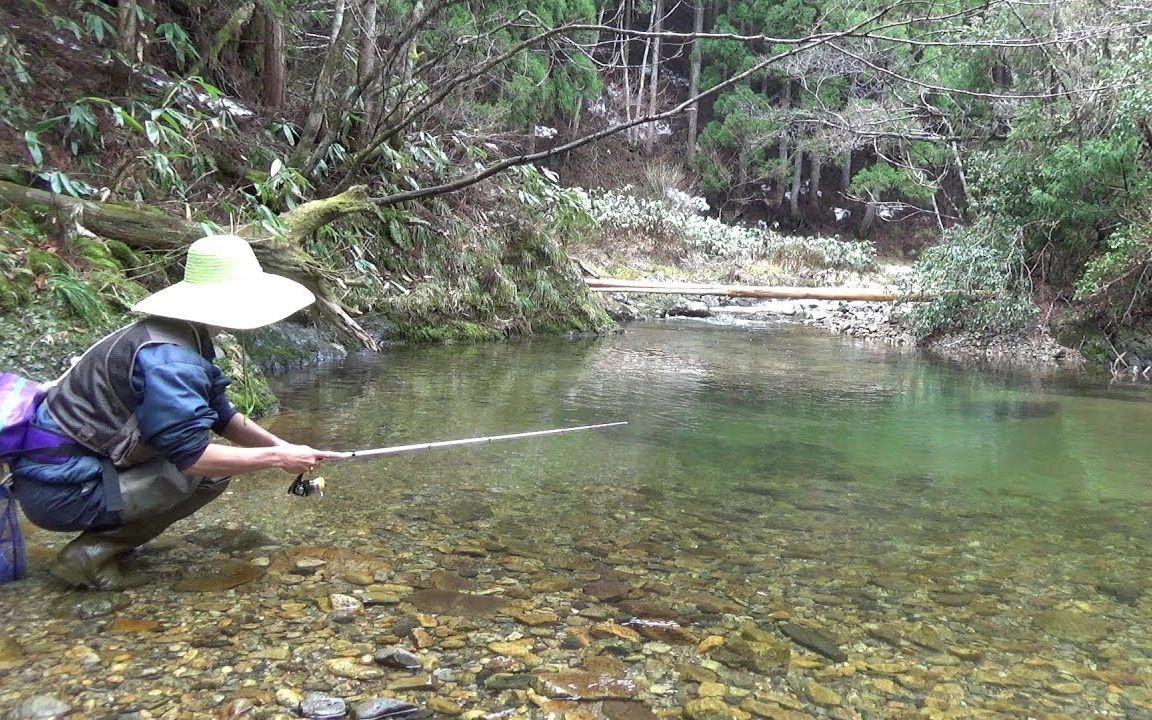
(448, 605)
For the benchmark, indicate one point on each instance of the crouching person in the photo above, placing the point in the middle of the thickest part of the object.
(134, 415)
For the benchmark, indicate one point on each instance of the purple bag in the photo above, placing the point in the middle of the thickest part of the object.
(13, 564)
(19, 400)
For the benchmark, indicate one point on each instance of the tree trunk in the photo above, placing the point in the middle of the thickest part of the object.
(694, 79)
(938, 214)
(661, 287)
(149, 229)
(322, 91)
(146, 30)
(625, 46)
(654, 81)
(869, 218)
(814, 173)
(127, 40)
(642, 80)
(227, 34)
(273, 74)
(366, 68)
(783, 156)
(574, 125)
(797, 174)
(409, 60)
(846, 173)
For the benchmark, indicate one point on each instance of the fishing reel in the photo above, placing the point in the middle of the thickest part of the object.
(307, 487)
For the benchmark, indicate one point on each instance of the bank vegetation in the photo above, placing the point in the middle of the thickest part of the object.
(429, 168)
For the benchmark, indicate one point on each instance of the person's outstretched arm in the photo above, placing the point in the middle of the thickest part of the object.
(260, 449)
(219, 459)
(181, 397)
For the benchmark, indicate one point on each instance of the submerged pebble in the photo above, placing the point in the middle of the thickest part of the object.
(322, 707)
(381, 708)
(39, 707)
(398, 657)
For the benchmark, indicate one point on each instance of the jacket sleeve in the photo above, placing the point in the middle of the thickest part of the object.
(181, 397)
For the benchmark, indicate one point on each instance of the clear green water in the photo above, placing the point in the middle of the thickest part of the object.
(730, 417)
(975, 543)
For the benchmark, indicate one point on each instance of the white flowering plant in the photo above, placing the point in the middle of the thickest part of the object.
(676, 226)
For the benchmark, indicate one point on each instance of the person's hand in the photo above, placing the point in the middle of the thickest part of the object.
(298, 459)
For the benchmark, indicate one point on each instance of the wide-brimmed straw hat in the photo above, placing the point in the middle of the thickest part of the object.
(225, 286)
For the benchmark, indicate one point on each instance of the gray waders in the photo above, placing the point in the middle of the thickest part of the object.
(153, 495)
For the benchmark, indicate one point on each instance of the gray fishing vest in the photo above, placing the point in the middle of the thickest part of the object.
(95, 404)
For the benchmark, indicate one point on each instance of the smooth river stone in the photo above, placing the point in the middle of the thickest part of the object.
(398, 657)
(344, 608)
(380, 708)
(447, 602)
(668, 631)
(39, 707)
(585, 686)
(1074, 626)
(10, 650)
(322, 707)
(814, 640)
(217, 576)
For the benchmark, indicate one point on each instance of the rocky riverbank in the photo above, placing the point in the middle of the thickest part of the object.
(430, 611)
(871, 322)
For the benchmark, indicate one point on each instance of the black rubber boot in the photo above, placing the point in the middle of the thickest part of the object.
(92, 560)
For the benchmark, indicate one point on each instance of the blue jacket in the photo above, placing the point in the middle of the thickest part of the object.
(181, 397)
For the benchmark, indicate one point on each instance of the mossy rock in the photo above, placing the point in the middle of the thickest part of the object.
(43, 262)
(1074, 330)
(249, 390)
(286, 345)
(448, 331)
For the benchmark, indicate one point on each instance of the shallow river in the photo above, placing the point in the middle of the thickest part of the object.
(790, 526)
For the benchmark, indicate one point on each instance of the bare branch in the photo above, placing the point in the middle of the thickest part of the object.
(805, 44)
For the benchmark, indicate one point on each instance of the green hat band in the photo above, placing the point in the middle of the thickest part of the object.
(220, 259)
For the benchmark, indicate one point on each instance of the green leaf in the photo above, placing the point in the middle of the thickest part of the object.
(32, 140)
(153, 132)
(126, 118)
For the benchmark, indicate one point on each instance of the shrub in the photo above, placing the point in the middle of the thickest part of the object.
(981, 278)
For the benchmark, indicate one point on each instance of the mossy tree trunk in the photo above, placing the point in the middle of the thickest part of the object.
(282, 253)
(227, 34)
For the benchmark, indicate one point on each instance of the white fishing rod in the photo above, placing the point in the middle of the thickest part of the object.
(315, 485)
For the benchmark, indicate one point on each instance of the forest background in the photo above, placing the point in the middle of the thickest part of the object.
(429, 167)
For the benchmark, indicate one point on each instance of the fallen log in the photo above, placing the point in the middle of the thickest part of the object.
(134, 225)
(283, 253)
(657, 287)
